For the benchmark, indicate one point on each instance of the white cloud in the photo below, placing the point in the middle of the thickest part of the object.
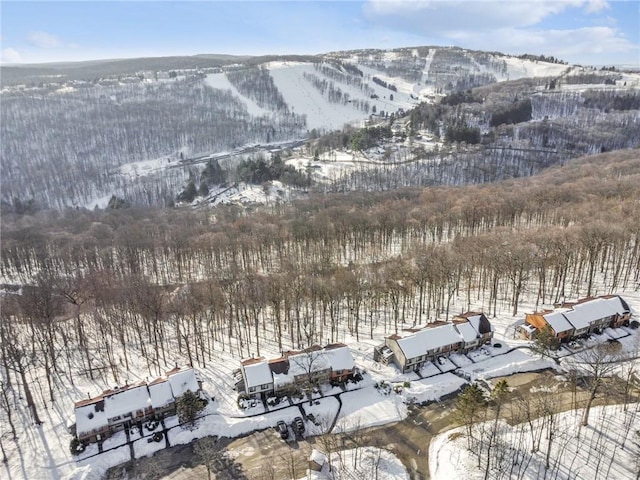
(442, 15)
(10, 55)
(509, 26)
(583, 45)
(595, 6)
(43, 40)
(436, 16)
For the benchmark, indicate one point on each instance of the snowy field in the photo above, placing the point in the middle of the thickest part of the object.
(605, 449)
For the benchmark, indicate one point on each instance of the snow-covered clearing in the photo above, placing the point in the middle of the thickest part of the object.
(245, 194)
(302, 98)
(221, 82)
(367, 462)
(433, 388)
(516, 361)
(518, 68)
(369, 407)
(147, 167)
(604, 449)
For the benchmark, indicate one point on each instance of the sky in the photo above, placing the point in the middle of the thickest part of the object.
(587, 32)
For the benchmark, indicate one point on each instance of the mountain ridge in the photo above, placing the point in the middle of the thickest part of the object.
(58, 130)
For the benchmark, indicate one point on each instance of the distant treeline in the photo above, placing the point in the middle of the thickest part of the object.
(541, 58)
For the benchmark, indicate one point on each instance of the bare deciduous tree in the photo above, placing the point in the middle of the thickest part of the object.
(209, 451)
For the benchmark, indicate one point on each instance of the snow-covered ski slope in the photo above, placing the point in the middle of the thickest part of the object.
(412, 76)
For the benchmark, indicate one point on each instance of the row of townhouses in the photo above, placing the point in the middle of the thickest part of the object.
(413, 347)
(571, 320)
(260, 378)
(99, 417)
(113, 410)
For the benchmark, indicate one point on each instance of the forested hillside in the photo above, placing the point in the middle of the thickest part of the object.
(100, 298)
(306, 267)
(73, 135)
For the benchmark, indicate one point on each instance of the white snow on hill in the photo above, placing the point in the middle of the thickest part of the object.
(303, 98)
(221, 82)
(518, 68)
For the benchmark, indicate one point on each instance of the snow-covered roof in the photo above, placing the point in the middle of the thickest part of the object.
(419, 343)
(339, 357)
(183, 380)
(257, 374)
(617, 303)
(129, 400)
(478, 321)
(557, 320)
(90, 417)
(469, 334)
(308, 362)
(583, 314)
(160, 393)
(93, 413)
(280, 379)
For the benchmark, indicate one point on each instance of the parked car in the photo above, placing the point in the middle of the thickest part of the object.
(298, 425)
(282, 428)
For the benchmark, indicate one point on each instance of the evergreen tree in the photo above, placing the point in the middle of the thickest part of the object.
(117, 202)
(499, 394)
(188, 407)
(545, 342)
(213, 174)
(469, 404)
(189, 193)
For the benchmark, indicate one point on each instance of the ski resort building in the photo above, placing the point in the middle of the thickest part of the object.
(580, 318)
(412, 348)
(114, 410)
(259, 378)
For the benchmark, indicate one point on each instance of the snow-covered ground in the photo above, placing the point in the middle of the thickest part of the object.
(516, 361)
(245, 194)
(605, 449)
(221, 82)
(432, 388)
(367, 462)
(519, 68)
(302, 98)
(369, 407)
(44, 450)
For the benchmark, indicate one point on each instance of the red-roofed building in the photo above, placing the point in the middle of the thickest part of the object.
(113, 410)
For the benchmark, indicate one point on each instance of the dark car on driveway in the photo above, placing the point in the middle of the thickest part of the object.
(281, 427)
(298, 425)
